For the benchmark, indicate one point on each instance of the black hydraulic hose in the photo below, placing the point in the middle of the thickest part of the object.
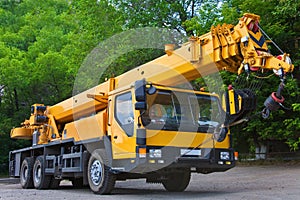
(279, 90)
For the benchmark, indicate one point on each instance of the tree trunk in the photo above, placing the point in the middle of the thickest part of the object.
(16, 99)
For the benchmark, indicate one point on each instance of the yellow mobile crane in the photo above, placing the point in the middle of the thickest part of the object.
(138, 125)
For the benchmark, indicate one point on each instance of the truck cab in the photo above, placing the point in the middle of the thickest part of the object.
(158, 132)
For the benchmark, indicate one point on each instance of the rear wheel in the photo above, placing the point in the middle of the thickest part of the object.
(26, 173)
(40, 180)
(101, 180)
(177, 181)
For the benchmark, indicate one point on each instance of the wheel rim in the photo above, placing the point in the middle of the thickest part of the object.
(24, 173)
(96, 172)
(37, 174)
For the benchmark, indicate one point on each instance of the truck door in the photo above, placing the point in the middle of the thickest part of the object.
(122, 127)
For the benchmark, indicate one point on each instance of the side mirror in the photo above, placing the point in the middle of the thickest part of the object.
(222, 134)
(141, 91)
(140, 94)
(151, 90)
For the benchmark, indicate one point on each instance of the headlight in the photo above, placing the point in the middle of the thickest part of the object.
(224, 155)
(155, 153)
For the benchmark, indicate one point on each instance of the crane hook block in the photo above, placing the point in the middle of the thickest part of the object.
(273, 102)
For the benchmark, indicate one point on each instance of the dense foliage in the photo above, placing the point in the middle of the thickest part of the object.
(43, 43)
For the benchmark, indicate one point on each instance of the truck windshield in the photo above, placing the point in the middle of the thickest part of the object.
(179, 111)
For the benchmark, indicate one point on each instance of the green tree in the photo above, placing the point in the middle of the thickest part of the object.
(165, 13)
(208, 14)
(42, 44)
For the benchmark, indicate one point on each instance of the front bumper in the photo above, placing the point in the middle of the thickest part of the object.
(176, 158)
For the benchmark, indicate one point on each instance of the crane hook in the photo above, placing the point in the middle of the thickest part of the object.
(274, 101)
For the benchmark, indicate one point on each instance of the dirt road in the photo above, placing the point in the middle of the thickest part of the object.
(242, 182)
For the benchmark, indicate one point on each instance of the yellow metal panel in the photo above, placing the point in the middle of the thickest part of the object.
(22, 133)
(172, 70)
(232, 103)
(84, 129)
(183, 139)
(122, 146)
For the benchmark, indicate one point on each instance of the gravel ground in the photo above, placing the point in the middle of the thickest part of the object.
(242, 182)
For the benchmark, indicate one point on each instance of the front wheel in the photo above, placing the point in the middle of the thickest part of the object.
(100, 178)
(177, 181)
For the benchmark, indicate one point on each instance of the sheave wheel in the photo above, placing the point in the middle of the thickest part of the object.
(40, 180)
(177, 181)
(26, 173)
(101, 180)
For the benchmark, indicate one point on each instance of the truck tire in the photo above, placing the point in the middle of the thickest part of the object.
(177, 181)
(100, 178)
(40, 180)
(26, 173)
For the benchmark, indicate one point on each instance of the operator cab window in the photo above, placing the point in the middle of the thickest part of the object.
(179, 111)
(124, 112)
